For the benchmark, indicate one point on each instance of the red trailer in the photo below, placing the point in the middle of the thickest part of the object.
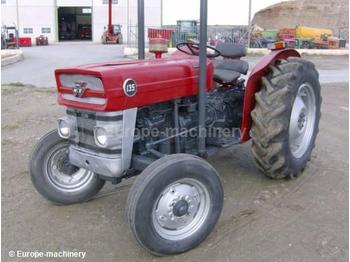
(24, 41)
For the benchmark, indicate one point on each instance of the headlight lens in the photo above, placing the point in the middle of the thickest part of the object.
(63, 128)
(101, 136)
(109, 136)
(66, 127)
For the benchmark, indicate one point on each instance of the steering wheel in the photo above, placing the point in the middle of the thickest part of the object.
(190, 48)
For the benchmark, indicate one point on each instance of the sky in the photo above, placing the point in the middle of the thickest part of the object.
(221, 12)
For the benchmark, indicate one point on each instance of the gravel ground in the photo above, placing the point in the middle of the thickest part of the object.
(304, 219)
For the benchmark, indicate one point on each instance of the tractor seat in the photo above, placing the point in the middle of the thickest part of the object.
(229, 69)
(223, 76)
(231, 50)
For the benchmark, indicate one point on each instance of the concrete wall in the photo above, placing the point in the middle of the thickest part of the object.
(37, 14)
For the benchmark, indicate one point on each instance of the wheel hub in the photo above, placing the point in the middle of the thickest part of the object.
(63, 175)
(302, 120)
(180, 209)
(177, 206)
(64, 166)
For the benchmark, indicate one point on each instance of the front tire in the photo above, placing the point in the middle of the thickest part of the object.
(286, 118)
(174, 204)
(55, 178)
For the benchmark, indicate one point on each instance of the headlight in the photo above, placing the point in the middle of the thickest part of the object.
(65, 127)
(101, 136)
(109, 136)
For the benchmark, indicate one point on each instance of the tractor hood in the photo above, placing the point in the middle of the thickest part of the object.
(120, 85)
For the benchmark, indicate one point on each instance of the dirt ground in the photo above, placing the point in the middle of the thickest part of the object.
(304, 219)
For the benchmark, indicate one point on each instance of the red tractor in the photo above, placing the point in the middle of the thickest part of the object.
(113, 34)
(161, 118)
(42, 40)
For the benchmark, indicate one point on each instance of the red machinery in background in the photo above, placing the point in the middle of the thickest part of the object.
(288, 36)
(9, 37)
(25, 41)
(41, 40)
(113, 34)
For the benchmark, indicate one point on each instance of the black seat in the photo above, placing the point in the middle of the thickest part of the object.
(225, 76)
(231, 50)
(230, 69)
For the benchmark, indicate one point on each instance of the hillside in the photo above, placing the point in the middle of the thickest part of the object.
(332, 14)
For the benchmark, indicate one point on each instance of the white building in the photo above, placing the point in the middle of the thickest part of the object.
(63, 20)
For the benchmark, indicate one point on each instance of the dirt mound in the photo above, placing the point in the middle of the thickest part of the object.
(332, 14)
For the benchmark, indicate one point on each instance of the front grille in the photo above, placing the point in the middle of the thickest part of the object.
(86, 121)
(86, 131)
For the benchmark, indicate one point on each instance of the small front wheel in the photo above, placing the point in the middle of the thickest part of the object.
(174, 204)
(56, 178)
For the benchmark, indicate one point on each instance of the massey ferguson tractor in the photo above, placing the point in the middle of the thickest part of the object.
(162, 118)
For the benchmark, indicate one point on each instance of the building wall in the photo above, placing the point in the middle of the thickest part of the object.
(38, 14)
(35, 14)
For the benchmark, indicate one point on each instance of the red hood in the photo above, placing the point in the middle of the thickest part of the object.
(157, 81)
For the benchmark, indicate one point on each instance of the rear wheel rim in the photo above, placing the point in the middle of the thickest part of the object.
(181, 209)
(63, 175)
(302, 120)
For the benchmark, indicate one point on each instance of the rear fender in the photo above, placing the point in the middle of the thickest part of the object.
(254, 85)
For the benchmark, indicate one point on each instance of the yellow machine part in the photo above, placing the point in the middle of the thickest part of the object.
(310, 32)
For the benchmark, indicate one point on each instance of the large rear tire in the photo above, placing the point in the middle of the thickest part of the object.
(174, 204)
(286, 118)
(55, 178)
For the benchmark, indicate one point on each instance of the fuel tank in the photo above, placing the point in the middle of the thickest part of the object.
(121, 85)
(310, 32)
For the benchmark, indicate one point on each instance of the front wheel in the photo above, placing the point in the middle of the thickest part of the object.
(55, 178)
(286, 118)
(174, 204)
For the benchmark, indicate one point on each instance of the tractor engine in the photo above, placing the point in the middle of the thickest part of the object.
(156, 123)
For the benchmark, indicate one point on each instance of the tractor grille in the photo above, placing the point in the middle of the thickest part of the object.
(86, 131)
(86, 121)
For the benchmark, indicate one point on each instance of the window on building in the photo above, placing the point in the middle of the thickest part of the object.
(114, 2)
(45, 30)
(86, 10)
(28, 30)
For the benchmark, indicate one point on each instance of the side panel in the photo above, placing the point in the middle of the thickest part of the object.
(254, 84)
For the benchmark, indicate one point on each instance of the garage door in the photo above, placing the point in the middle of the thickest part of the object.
(74, 23)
